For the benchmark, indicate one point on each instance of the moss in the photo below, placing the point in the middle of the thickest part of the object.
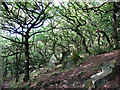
(70, 61)
(81, 73)
(74, 56)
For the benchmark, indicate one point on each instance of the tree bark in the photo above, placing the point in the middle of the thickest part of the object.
(17, 66)
(115, 33)
(98, 40)
(107, 38)
(92, 42)
(0, 63)
(26, 78)
(5, 72)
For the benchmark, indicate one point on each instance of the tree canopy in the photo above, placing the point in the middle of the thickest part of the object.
(32, 32)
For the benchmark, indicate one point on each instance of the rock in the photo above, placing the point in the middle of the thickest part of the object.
(107, 74)
(70, 61)
(54, 60)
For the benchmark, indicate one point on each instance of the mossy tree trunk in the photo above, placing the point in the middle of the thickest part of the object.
(115, 33)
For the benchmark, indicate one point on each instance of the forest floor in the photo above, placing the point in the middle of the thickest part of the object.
(6, 83)
(75, 77)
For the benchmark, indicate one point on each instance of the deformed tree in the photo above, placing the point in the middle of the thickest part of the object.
(112, 10)
(21, 18)
(74, 19)
(105, 35)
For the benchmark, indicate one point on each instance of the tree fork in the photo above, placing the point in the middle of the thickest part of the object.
(107, 38)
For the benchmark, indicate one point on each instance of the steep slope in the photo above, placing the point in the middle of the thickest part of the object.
(75, 77)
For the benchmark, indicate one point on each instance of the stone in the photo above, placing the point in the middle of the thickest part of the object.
(107, 73)
(54, 60)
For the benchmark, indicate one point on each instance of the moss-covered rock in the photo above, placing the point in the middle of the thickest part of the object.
(70, 61)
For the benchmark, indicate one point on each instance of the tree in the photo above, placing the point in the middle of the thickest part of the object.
(115, 35)
(74, 19)
(0, 62)
(21, 18)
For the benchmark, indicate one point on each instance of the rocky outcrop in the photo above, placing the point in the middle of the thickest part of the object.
(107, 73)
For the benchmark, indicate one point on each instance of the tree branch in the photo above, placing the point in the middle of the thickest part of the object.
(12, 40)
(96, 6)
(45, 31)
(11, 54)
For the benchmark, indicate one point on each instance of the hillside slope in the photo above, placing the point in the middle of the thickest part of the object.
(75, 77)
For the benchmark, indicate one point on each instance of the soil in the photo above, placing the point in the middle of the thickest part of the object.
(75, 77)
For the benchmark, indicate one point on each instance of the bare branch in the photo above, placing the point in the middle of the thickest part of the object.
(47, 30)
(33, 24)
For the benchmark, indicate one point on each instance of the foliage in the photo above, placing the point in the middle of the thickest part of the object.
(33, 31)
(98, 50)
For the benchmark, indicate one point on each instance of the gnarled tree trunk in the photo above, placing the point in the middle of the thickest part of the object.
(115, 33)
(83, 40)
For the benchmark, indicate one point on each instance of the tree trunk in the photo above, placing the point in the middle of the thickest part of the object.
(0, 63)
(26, 78)
(83, 41)
(115, 33)
(91, 39)
(107, 38)
(5, 72)
(98, 40)
(17, 67)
